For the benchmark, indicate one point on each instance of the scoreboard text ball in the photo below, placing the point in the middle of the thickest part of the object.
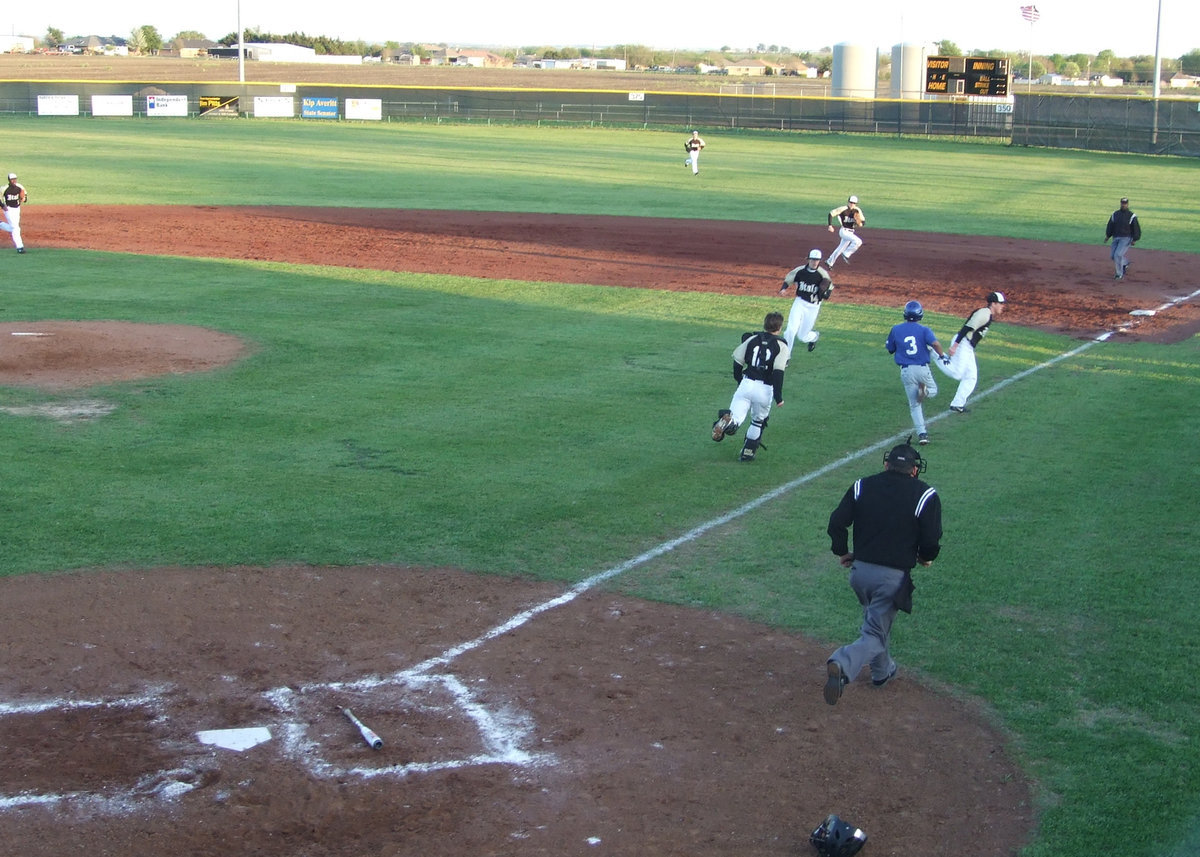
(966, 76)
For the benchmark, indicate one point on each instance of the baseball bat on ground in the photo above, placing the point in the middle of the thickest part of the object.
(373, 740)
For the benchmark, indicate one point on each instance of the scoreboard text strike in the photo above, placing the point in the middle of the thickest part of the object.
(966, 76)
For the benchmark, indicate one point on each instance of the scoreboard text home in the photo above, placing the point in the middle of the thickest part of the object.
(966, 76)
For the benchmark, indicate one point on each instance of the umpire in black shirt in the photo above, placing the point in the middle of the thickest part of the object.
(897, 521)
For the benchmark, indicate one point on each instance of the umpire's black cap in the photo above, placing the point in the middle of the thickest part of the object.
(904, 458)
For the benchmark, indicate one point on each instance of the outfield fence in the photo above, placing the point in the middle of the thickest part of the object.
(1135, 124)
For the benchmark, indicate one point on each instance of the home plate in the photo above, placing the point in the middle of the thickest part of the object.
(235, 739)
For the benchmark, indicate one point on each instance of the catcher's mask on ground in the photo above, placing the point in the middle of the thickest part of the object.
(835, 838)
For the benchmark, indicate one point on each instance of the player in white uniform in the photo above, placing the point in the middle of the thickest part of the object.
(692, 146)
(758, 365)
(813, 285)
(849, 217)
(11, 200)
(962, 367)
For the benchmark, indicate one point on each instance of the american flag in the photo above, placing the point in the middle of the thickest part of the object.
(1030, 13)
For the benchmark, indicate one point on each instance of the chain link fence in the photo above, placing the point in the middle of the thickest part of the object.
(1168, 126)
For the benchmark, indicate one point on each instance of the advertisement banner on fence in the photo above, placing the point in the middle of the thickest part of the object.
(319, 107)
(112, 105)
(218, 105)
(166, 105)
(364, 108)
(274, 107)
(58, 105)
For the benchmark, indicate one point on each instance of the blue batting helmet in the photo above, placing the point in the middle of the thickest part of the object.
(913, 311)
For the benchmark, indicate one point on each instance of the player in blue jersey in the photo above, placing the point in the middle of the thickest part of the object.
(910, 343)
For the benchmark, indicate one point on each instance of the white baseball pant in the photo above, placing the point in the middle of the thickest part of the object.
(753, 398)
(801, 320)
(12, 217)
(964, 370)
(849, 243)
(913, 377)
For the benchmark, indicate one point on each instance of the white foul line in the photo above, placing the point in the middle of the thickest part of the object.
(666, 547)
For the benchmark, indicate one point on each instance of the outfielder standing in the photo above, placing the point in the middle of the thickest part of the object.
(1125, 231)
(692, 146)
(813, 285)
(849, 217)
(758, 365)
(14, 196)
(962, 367)
(897, 521)
(910, 343)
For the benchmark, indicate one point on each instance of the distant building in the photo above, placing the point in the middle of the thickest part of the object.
(746, 68)
(1184, 81)
(469, 57)
(16, 44)
(190, 48)
(283, 52)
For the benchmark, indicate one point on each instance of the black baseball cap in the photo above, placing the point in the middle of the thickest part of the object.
(904, 457)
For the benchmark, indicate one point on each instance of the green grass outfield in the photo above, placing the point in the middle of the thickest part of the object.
(416, 419)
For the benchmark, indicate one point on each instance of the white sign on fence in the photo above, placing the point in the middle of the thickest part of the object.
(166, 105)
(364, 108)
(58, 105)
(274, 107)
(112, 105)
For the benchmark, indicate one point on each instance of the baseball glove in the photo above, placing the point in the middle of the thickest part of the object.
(859, 220)
(835, 838)
(826, 293)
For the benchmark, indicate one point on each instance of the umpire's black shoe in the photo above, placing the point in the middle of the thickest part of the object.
(880, 682)
(834, 683)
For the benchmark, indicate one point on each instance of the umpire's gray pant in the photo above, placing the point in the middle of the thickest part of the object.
(876, 587)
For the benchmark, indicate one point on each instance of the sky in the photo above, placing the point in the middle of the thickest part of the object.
(1127, 27)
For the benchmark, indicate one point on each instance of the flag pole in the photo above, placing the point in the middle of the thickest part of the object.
(1029, 86)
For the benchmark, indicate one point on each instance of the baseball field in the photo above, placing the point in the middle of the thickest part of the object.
(414, 420)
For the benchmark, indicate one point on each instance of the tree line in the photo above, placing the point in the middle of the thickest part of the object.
(147, 39)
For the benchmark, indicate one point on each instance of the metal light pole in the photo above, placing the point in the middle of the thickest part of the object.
(241, 49)
(1157, 72)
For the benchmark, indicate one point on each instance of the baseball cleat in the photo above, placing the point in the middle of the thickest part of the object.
(812, 346)
(747, 455)
(922, 438)
(962, 410)
(723, 426)
(20, 249)
(835, 681)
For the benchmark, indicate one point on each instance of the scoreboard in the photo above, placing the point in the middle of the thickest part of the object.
(966, 76)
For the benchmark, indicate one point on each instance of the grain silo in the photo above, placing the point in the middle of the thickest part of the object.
(908, 70)
(854, 71)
